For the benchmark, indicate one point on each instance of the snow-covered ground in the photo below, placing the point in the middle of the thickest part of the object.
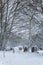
(21, 58)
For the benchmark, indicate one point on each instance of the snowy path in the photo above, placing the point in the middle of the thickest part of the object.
(21, 59)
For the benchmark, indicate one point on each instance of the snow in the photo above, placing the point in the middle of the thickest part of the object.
(40, 52)
(20, 58)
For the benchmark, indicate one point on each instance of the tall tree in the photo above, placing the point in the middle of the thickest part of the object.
(5, 22)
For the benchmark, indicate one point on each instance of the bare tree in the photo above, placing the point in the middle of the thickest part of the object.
(4, 23)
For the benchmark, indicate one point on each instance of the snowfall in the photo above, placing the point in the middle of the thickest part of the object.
(21, 58)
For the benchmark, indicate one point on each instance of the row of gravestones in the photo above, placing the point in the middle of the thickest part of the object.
(25, 49)
(33, 49)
